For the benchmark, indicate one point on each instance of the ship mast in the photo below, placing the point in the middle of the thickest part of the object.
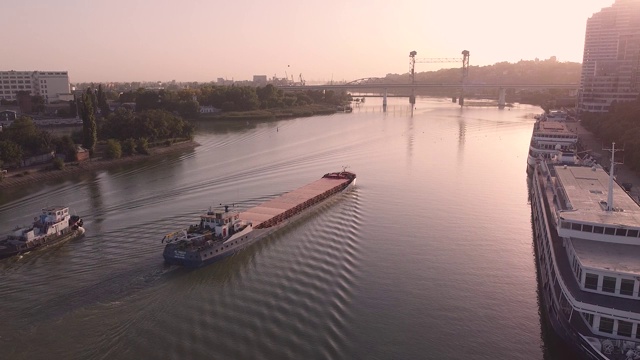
(611, 177)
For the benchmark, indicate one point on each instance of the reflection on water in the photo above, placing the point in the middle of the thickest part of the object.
(430, 256)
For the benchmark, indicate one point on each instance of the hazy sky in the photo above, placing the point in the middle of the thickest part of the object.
(201, 40)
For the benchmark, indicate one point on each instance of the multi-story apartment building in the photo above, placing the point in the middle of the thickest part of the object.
(51, 85)
(611, 61)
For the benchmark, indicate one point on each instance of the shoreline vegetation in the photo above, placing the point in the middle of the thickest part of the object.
(271, 114)
(143, 124)
(44, 172)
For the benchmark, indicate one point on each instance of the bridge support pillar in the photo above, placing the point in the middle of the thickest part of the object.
(384, 101)
(501, 98)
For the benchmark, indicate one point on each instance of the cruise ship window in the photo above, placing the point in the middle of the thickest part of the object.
(587, 228)
(621, 232)
(624, 328)
(610, 231)
(632, 233)
(575, 226)
(591, 281)
(609, 284)
(606, 325)
(626, 287)
(598, 229)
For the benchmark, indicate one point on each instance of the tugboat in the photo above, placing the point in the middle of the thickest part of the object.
(54, 225)
(187, 247)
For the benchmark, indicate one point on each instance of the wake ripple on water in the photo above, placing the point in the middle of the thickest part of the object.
(297, 282)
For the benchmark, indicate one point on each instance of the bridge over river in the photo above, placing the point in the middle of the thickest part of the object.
(366, 85)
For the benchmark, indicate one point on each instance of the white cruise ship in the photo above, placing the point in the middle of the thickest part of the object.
(550, 139)
(587, 240)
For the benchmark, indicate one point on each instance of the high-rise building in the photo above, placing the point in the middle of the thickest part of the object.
(611, 61)
(51, 85)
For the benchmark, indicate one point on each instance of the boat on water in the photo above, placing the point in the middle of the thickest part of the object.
(551, 138)
(587, 245)
(54, 225)
(220, 233)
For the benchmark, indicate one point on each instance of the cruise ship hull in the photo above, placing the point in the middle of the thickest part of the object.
(559, 323)
(564, 321)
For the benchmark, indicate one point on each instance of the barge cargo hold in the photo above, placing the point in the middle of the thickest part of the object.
(222, 232)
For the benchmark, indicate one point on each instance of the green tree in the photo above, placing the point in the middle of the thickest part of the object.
(22, 131)
(118, 125)
(65, 146)
(189, 108)
(89, 127)
(37, 103)
(154, 125)
(10, 152)
(142, 146)
(127, 96)
(102, 102)
(621, 126)
(129, 147)
(25, 133)
(148, 100)
(269, 97)
(114, 150)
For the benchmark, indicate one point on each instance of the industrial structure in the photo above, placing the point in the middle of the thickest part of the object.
(611, 60)
(51, 85)
(465, 71)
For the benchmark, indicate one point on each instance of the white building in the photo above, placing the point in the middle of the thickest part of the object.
(611, 61)
(51, 85)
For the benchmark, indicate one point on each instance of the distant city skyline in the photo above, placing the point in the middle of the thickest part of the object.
(196, 40)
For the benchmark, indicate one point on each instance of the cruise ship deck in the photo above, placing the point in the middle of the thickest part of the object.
(584, 189)
(551, 127)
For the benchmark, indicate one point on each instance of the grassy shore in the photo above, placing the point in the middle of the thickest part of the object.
(46, 172)
(272, 114)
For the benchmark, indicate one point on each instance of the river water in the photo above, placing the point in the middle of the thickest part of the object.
(429, 257)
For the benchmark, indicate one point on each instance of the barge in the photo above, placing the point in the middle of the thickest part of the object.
(587, 242)
(220, 233)
(54, 225)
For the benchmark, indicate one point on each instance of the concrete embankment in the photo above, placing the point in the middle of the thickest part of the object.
(42, 173)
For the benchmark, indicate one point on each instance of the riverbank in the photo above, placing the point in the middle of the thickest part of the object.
(271, 114)
(37, 173)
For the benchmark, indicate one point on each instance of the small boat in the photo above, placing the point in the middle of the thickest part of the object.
(54, 225)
